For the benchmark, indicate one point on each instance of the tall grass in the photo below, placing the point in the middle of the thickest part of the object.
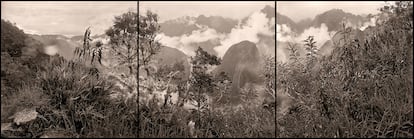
(74, 101)
(249, 122)
(361, 90)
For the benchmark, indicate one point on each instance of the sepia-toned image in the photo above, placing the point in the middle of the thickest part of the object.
(69, 69)
(344, 69)
(206, 69)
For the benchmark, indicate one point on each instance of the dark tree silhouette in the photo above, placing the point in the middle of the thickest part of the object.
(123, 40)
(148, 46)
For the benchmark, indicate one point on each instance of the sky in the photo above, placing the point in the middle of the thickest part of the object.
(65, 18)
(298, 10)
(171, 10)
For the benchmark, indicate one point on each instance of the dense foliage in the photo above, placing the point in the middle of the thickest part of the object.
(198, 106)
(363, 89)
(61, 98)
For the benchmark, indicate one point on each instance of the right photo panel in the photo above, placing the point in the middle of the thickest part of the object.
(344, 69)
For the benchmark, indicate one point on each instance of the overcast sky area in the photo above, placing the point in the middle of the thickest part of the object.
(65, 18)
(171, 10)
(298, 10)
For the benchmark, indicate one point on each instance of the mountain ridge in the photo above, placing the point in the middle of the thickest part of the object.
(187, 24)
(332, 18)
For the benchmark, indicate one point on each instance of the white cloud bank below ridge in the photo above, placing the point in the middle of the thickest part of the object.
(321, 34)
(256, 24)
(371, 22)
(51, 50)
(183, 42)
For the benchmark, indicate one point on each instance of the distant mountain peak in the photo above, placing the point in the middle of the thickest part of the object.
(331, 18)
(335, 10)
(269, 11)
(245, 44)
(182, 20)
(186, 24)
(283, 19)
(241, 63)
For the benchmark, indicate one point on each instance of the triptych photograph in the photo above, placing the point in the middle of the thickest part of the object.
(207, 69)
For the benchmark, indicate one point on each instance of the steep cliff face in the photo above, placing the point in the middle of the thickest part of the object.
(242, 64)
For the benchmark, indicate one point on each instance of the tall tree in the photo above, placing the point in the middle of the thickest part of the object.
(222, 86)
(148, 45)
(123, 39)
(201, 82)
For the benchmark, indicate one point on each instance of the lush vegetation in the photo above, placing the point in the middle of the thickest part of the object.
(171, 106)
(213, 116)
(68, 98)
(363, 89)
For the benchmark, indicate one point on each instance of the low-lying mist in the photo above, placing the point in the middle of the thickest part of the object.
(257, 25)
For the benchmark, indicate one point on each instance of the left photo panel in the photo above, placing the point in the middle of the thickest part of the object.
(69, 69)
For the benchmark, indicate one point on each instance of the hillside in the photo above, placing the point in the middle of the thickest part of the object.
(40, 78)
(269, 11)
(11, 39)
(282, 19)
(170, 56)
(333, 19)
(187, 24)
(328, 36)
(63, 45)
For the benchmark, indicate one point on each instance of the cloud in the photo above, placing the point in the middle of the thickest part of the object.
(321, 34)
(27, 31)
(257, 24)
(371, 22)
(280, 56)
(283, 33)
(71, 18)
(185, 41)
(202, 35)
(51, 50)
